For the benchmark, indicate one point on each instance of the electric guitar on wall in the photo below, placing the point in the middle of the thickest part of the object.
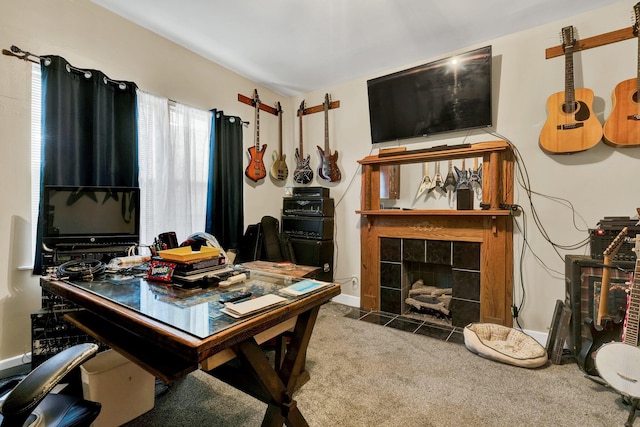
(426, 183)
(463, 176)
(571, 125)
(605, 329)
(328, 168)
(303, 173)
(475, 174)
(450, 180)
(622, 127)
(437, 181)
(618, 363)
(256, 170)
(279, 168)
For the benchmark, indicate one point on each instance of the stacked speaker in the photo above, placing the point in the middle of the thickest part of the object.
(308, 221)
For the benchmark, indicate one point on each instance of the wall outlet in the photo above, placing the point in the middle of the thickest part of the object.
(354, 282)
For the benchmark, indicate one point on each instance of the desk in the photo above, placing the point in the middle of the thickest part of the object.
(171, 332)
(294, 270)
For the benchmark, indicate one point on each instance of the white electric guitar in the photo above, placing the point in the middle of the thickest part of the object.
(618, 363)
(426, 183)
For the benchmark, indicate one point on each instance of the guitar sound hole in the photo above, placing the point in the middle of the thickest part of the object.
(569, 108)
(634, 97)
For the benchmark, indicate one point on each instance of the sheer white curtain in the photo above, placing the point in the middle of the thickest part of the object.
(173, 155)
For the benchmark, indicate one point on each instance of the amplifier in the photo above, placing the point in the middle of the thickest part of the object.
(315, 253)
(60, 255)
(310, 192)
(308, 227)
(307, 206)
(599, 241)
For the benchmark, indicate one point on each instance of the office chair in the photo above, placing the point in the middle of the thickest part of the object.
(29, 403)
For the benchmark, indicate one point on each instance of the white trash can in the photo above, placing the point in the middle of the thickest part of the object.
(125, 390)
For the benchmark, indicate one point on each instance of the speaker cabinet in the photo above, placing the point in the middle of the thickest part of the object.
(316, 253)
(583, 278)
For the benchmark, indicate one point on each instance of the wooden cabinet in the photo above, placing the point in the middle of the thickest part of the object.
(490, 226)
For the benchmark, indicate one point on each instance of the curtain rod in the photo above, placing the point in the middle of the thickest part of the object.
(16, 52)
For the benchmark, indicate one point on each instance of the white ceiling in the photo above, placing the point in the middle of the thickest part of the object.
(296, 46)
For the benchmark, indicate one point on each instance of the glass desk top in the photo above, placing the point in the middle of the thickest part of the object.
(195, 311)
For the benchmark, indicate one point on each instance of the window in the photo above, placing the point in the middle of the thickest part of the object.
(173, 147)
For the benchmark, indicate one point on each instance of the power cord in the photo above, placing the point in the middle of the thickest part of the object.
(84, 269)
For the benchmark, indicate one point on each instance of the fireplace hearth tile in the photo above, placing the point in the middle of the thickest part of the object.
(434, 331)
(404, 324)
(377, 318)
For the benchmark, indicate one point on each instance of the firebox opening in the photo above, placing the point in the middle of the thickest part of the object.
(428, 291)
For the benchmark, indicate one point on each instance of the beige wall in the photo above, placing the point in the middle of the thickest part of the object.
(599, 182)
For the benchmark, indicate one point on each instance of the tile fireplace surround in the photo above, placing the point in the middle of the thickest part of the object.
(443, 264)
(487, 232)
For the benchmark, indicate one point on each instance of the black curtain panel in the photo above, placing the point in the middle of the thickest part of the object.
(89, 134)
(225, 216)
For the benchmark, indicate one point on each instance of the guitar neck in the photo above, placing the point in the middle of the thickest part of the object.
(633, 312)
(603, 307)
(300, 144)
(326, 130)
(280, 131)
(569, 90)
(257, 126)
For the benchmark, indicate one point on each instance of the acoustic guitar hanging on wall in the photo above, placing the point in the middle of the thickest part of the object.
(571, 125)
(622, 127)
(256, 170)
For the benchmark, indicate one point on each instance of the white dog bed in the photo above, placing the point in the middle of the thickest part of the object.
(504, 344)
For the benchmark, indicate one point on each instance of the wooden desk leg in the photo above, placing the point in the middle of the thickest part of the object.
(276, 388)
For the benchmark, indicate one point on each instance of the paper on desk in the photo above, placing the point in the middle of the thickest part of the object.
(304, 287)
(255, 305)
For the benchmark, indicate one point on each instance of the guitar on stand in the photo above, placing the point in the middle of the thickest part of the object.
(570, 126)
(279, 168)
(619, 362)
(256, 170)
(622, 127)
(328, 168)
(605, 329)
(303, 173)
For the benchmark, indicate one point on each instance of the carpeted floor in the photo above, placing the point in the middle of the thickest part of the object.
(364, 374)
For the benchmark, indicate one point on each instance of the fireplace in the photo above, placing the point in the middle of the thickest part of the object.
(470, 251)
(447, 275)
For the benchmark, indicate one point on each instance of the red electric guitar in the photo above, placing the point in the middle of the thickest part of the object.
(256, 170)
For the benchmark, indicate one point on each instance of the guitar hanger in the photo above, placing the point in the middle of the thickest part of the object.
(595, 41)
(263, 107)
(320, 108)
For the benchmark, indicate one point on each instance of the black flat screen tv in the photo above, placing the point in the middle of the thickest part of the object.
(451, 94)
(91, 215)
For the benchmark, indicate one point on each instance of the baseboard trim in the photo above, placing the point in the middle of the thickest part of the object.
(349, 300)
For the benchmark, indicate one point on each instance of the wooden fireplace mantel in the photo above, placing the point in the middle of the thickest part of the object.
(491, 227)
